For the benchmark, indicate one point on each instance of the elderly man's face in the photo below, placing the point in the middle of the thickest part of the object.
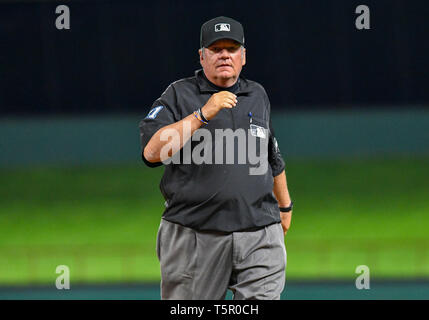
(222, 62)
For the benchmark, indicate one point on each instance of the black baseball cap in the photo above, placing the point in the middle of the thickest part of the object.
(221, 28)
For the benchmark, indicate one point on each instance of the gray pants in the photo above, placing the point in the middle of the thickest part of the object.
(200, 265)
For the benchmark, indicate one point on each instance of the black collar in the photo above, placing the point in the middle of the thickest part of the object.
(207, 87)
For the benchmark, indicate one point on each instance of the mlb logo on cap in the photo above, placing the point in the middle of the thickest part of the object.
(222, 27)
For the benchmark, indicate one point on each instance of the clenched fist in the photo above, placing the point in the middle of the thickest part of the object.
(218, 101)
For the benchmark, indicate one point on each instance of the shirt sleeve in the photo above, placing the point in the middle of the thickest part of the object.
(162, 113)
(274, 155)
(275, 158)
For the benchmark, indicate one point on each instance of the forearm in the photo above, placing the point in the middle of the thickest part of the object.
(175, 134)
(281, 191)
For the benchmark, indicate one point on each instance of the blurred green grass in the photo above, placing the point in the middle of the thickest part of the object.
(102, 221)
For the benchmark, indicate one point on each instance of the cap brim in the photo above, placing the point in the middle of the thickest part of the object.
(223, 36)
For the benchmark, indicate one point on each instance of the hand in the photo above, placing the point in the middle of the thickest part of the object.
(218, 101)
(286, 218)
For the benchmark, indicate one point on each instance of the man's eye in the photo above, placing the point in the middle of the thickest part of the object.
(230, 49)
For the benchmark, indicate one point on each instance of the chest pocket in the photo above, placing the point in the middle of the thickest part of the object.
(258, 127)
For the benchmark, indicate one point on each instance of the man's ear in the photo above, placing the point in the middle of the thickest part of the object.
(243, 56)
(201, 53)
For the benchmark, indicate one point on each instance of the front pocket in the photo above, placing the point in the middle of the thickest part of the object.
(178, 250)
(259, 121)
(158, 242)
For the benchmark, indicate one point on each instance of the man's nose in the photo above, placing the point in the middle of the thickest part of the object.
(224, 54)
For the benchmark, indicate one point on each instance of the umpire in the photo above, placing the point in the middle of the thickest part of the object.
(222, 227)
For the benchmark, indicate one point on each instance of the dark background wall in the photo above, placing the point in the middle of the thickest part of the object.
(119, 56)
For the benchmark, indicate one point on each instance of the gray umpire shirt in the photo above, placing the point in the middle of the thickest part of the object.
(217, 196)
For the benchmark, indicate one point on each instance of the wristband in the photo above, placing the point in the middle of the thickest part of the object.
(200, 112)
(198, 117)
(286, 209)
